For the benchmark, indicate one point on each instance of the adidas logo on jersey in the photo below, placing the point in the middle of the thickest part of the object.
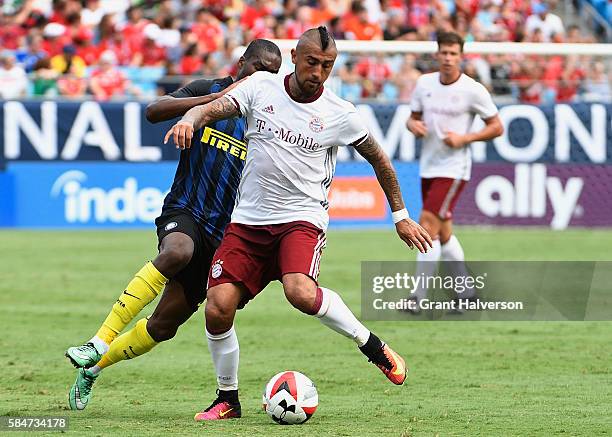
(269, 109)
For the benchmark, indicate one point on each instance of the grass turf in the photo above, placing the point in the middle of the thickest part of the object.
(480, 378)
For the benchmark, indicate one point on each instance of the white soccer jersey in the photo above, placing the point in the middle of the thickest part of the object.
(448, 108)
(292, 149)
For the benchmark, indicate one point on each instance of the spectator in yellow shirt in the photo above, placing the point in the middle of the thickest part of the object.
(69, 61)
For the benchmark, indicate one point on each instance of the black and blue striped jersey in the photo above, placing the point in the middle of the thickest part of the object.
(208, 174)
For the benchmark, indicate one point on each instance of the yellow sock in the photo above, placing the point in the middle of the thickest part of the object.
(142, 289)
(133, 343)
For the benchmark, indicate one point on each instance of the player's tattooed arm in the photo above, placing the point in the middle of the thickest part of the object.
(219, 109)
(385, 173)
(195, 118)
(408, 230)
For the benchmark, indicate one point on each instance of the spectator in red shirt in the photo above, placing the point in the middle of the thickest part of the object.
(208, 30)
(375, 71)
(150, 54)
(571, 79)
(264, 28)
(10, 33)
(55, 39)
(218, 7)
(115, 42)
(251, 13)
(191, 61)
(357, 26)
(108, 81)
(133, 32)
(418, 13)
(85, 49)
(527, 77)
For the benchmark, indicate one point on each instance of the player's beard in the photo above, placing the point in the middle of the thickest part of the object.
(303, 90)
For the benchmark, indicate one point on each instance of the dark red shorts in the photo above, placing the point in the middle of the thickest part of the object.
(440, 195)
(255, 255)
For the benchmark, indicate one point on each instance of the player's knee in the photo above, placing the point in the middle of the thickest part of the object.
(300, 295)
(160, 330)
(218, 313)
(174, 258)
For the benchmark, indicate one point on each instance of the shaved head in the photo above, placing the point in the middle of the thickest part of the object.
(319, 37)
(314, 59)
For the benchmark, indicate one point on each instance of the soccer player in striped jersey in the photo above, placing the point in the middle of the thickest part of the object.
(443, 105)
(189, 229)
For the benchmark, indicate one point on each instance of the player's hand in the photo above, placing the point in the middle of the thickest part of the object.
(413, 234)
(182, 133)
(417, 127)
(454, 140)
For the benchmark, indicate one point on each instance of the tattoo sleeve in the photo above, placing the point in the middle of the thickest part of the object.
(385, 173)
(219, 109)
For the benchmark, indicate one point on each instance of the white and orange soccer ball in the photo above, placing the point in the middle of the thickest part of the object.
(290, 398)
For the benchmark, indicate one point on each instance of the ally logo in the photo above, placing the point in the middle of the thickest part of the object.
(527, 195)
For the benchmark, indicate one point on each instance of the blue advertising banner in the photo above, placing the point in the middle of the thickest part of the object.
(86, 164)
(103, 195)
(89, 194)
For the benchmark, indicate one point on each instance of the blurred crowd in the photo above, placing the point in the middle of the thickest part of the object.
(112, 48)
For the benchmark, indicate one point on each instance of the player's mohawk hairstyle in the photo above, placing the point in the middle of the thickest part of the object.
(324, 35)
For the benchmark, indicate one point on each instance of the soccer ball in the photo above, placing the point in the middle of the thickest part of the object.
(290, 398)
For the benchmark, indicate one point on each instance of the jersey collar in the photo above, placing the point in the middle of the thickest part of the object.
(450, 83)
(309, 99)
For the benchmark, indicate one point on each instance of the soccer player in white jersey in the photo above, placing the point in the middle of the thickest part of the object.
(443, 106)
(277, 230)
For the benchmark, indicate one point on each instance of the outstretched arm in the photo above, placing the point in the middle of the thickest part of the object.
(168, 107)
(409, 231)
(195, 118)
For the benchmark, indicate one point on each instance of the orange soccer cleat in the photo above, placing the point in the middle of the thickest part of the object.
(391, 364)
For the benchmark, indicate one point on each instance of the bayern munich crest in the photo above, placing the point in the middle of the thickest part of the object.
(316, 124)
(217, 269)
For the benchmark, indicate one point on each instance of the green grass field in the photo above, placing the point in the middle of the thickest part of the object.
(478, 378)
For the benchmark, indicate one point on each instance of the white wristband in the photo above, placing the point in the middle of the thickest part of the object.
(400, 215)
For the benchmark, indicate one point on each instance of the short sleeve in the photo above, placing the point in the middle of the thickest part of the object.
(483, 103)
(416, 102)
(197, 88)
(243, 95)
(354, 132)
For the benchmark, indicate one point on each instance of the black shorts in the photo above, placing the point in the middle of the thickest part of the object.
(194, 276)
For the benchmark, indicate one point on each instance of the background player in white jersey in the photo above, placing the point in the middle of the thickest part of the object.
(443, 107)
(295, 127)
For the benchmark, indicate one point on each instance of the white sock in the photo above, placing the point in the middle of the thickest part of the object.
(100, 344)
(336, 315)
(453, 252)
(95, 369)
(225, 354)
(427, 265)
